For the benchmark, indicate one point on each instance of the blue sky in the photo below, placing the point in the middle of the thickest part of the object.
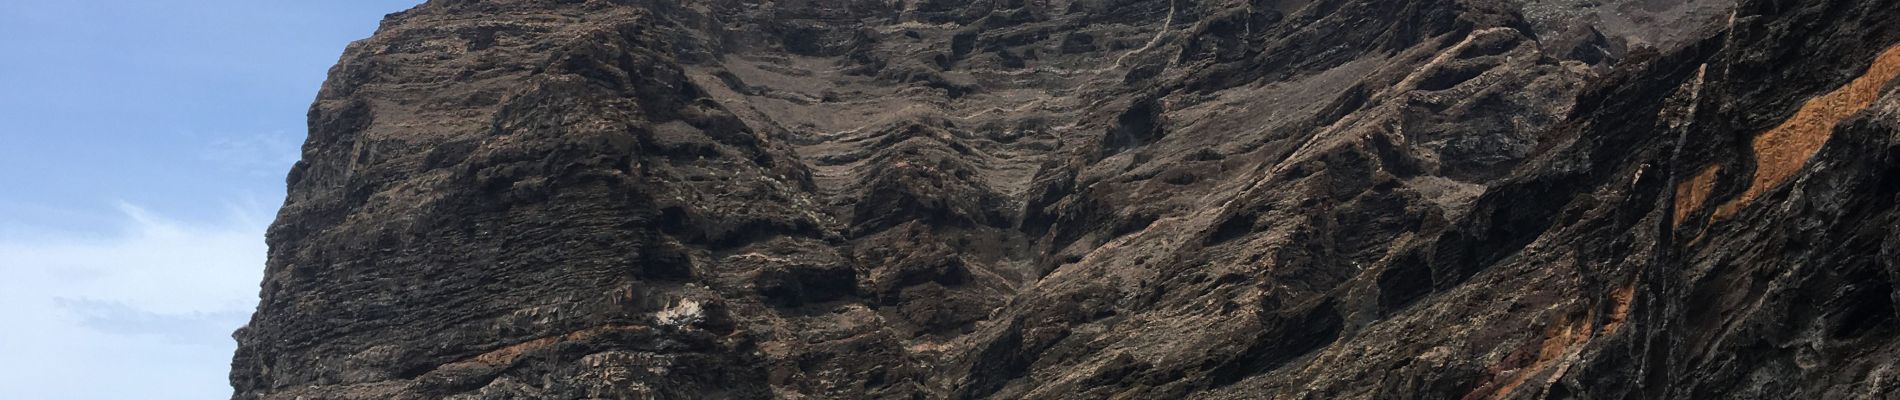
(143, 146)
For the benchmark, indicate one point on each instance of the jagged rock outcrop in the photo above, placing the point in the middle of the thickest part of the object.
(1432, 199)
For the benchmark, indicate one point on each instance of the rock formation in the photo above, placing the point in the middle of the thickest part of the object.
(1080, 199)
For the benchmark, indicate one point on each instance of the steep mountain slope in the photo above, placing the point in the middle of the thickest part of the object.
(1095, 199)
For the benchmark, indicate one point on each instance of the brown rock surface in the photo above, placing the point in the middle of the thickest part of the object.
(1431, 199)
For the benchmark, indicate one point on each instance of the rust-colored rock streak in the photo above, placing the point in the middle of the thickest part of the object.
(1781, 151)
(1563, 340)
(1621, 301)
(1690, 194)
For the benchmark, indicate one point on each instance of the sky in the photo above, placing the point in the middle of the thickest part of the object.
(143, 148)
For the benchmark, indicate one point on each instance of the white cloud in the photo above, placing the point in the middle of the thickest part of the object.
(144, 313)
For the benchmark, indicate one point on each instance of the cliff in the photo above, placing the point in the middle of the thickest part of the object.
(1041, 199)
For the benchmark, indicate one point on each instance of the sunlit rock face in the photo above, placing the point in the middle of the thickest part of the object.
(1056, 199)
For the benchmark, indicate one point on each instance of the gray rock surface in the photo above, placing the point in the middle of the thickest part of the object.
(1041, 199)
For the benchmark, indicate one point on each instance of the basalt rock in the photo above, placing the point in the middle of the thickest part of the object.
(1042, 199)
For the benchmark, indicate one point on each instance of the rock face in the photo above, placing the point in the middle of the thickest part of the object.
(1043, 199)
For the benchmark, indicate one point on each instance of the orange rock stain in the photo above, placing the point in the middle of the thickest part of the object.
(1781, 151)
(1690, 194)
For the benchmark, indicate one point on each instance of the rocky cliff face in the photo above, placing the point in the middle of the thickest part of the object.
(1431, 199)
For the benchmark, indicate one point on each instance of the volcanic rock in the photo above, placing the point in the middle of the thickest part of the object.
(1057, 199)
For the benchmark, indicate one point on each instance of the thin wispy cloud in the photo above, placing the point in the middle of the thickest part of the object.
(160, 292)
(262, 154)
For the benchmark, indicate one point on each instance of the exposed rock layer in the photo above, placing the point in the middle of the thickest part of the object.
(1456, 199)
